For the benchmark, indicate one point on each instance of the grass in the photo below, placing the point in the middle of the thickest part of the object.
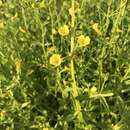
(86, 87)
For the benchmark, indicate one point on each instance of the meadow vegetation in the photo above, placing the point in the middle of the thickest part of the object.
(64, 65)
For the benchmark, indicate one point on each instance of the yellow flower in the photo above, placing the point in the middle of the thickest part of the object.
(55, 59)
(93, 90)
(45, 129)
(33, 5)
(1, 25)
(1, 3)
(96, 28)
(71, 11)
(64, 30)
(83, 40)
(2, 114)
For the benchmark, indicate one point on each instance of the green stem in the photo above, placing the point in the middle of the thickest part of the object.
(24, 18)
(107, 18)
(76, 103)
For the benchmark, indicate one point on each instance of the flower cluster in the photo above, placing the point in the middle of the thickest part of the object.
(82, 41)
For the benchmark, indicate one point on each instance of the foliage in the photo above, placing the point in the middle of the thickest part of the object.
(87, 87)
